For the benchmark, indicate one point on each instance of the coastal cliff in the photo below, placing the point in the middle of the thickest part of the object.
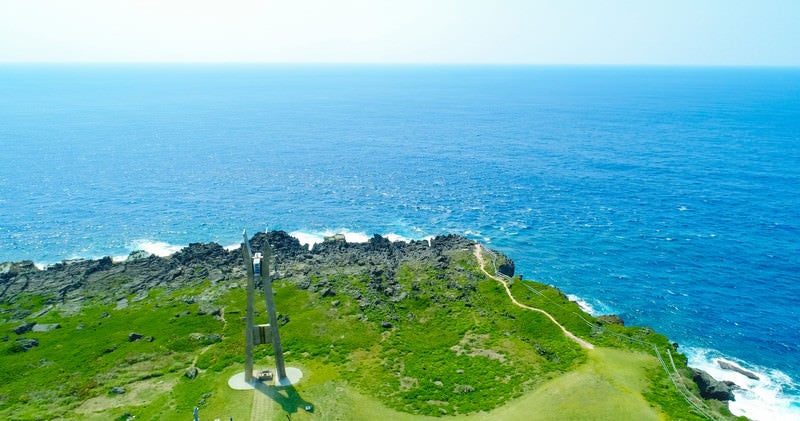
(73, 280)
(394, 329)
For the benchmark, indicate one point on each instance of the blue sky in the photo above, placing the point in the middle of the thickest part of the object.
(656, 32)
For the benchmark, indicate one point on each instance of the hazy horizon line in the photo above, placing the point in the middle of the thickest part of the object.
(394, 64)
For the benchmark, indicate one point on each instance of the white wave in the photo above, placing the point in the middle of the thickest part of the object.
(760, 400)
(232, 247)
(583, 304)
(158, 248)
(311, 238)
(307, 239)
(397, 237)
(40, 266)
(120, 258)
(353, 237)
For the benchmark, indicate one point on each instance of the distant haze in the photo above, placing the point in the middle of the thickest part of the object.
(628, 32)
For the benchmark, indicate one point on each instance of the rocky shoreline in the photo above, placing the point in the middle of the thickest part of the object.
(102, 279)
(70, 283)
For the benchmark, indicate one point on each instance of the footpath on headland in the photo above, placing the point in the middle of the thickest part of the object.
(674, 377)
(570, 335)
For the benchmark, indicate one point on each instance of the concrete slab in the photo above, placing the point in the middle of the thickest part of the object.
(293, 376)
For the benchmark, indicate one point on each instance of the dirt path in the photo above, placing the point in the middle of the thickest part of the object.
(569, 334)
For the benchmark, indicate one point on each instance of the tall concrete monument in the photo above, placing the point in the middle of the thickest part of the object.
(258, 270)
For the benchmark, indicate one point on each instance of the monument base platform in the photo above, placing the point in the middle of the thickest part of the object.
(293, 375)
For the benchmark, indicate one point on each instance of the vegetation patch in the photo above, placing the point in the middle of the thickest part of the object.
(419, 335)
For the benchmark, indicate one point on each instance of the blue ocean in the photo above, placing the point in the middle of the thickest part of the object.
(667, 196)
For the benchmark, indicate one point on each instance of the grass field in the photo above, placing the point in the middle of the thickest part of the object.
(455, 347)
(609, 385)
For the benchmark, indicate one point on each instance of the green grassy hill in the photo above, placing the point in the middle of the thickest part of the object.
(446, 342)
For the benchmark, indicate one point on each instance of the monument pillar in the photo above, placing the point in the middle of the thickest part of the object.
(248, 331)
(258, 269)
(269, 298)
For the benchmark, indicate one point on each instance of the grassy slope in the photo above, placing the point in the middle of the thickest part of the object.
(519, 364)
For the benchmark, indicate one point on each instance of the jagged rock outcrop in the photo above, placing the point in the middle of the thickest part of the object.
(375, 261)
(733, 367)
(711, 388)
(507, 268)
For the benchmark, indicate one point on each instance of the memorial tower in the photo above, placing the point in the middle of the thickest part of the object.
(258, 269)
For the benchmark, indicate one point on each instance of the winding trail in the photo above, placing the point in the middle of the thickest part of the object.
(568, 334)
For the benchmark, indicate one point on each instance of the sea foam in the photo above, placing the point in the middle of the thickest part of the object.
(232, 247)
(760, 400)
(157, 248)
(583, 304)
(310, 238)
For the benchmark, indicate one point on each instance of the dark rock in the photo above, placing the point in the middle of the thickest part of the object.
(133, 336)
(732, 367)
(711, 388)
(375, 262)
(5, 338)
(24, 328)
(25, 344)
(118, 390)
(378, 242)
(99, 265)
(284, 245)
(507, 268)
(335, 303)
(191, 372)
(386, 325)
(110, 350)
(138, 255)
(104, 315)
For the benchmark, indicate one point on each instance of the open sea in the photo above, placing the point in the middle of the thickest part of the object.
(667, 196)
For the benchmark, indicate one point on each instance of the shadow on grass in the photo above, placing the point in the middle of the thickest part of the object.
(285, 396)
